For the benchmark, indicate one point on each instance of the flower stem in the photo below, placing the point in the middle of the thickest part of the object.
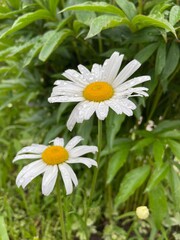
(94, 180)
(61, 214)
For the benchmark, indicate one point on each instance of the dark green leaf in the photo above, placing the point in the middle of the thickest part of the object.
(175, 147)
(117, 161)
(167, 125)
(160, 58)
(174, 181)
(128, 8)
(158, 152)
(174, 134)
(52, 43)
(104, 22)
(96, 7)
(171, 61)
(146, 52)
(157, 176)
(113, 123)
(132, 180)
(158, 205)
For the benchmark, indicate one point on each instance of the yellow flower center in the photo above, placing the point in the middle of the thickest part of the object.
(55, 155)
(98, 91)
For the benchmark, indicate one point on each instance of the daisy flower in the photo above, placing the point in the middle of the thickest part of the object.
(99, 89)
(51, 158)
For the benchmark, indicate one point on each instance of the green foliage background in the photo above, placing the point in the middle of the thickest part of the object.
(39, 40)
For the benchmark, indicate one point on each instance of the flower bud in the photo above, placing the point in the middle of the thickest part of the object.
(142, 212)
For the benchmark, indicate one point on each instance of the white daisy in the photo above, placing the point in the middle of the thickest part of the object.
(99, 89)
(51, 158)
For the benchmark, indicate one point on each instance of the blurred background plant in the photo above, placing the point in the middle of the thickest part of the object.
(39, 40)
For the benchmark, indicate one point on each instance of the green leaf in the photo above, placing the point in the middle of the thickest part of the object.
(175, 147)
(33, 52)
(117, 160)
(128, 8)
(52, 133)
(172, 61)
(174, 15)
(142, 143)
(3, 229)
(146, 21)
(27, 19)
(104, 22)
(158, 152)
(167, 125)
(96, 7)
(132, 180)
(158, 205)
(174, 181)
(157, 176)
(53, 42)
(146, 52)
(160, 58)
(113, 123)
(174, 134)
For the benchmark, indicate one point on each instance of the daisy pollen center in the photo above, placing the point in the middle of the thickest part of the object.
(53, 155)
(98, 91)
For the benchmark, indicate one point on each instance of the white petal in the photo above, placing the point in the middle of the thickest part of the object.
(73, 142)
(29, 172)
(111, 67)
(85, 72)
(114, 104)
(127, 71)
(66, 178)
(65, 99)
(75, 76)
(63, 83)
(26, 156)
(81, 150)
(86, 161)
(96, 72)
(72, 174)
(49, 179)
(82, 111)
(127, 111)
(133, 82)
(129, 92)
(102, 110)
(58, 142)
(34, 148)
(128, 104)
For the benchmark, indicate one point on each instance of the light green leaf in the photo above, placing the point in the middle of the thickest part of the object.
(157, 176)
(160, 58)
(27, 19)
(3, 229)
(142, 143)
(158, 205)
(172, 61)
(96, 7)
(117, 160)
(175, 147)
(132, 180)
(174, 181)
(174, 15)
(158, 152)
(104, 22)
(146, 52)
(33, 52)
(142, 21)
(52, 43)
(113, 123)
(128, 8)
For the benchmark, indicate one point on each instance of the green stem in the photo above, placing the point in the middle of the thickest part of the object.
(140, 6)
(61, 214)
(93, 185)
